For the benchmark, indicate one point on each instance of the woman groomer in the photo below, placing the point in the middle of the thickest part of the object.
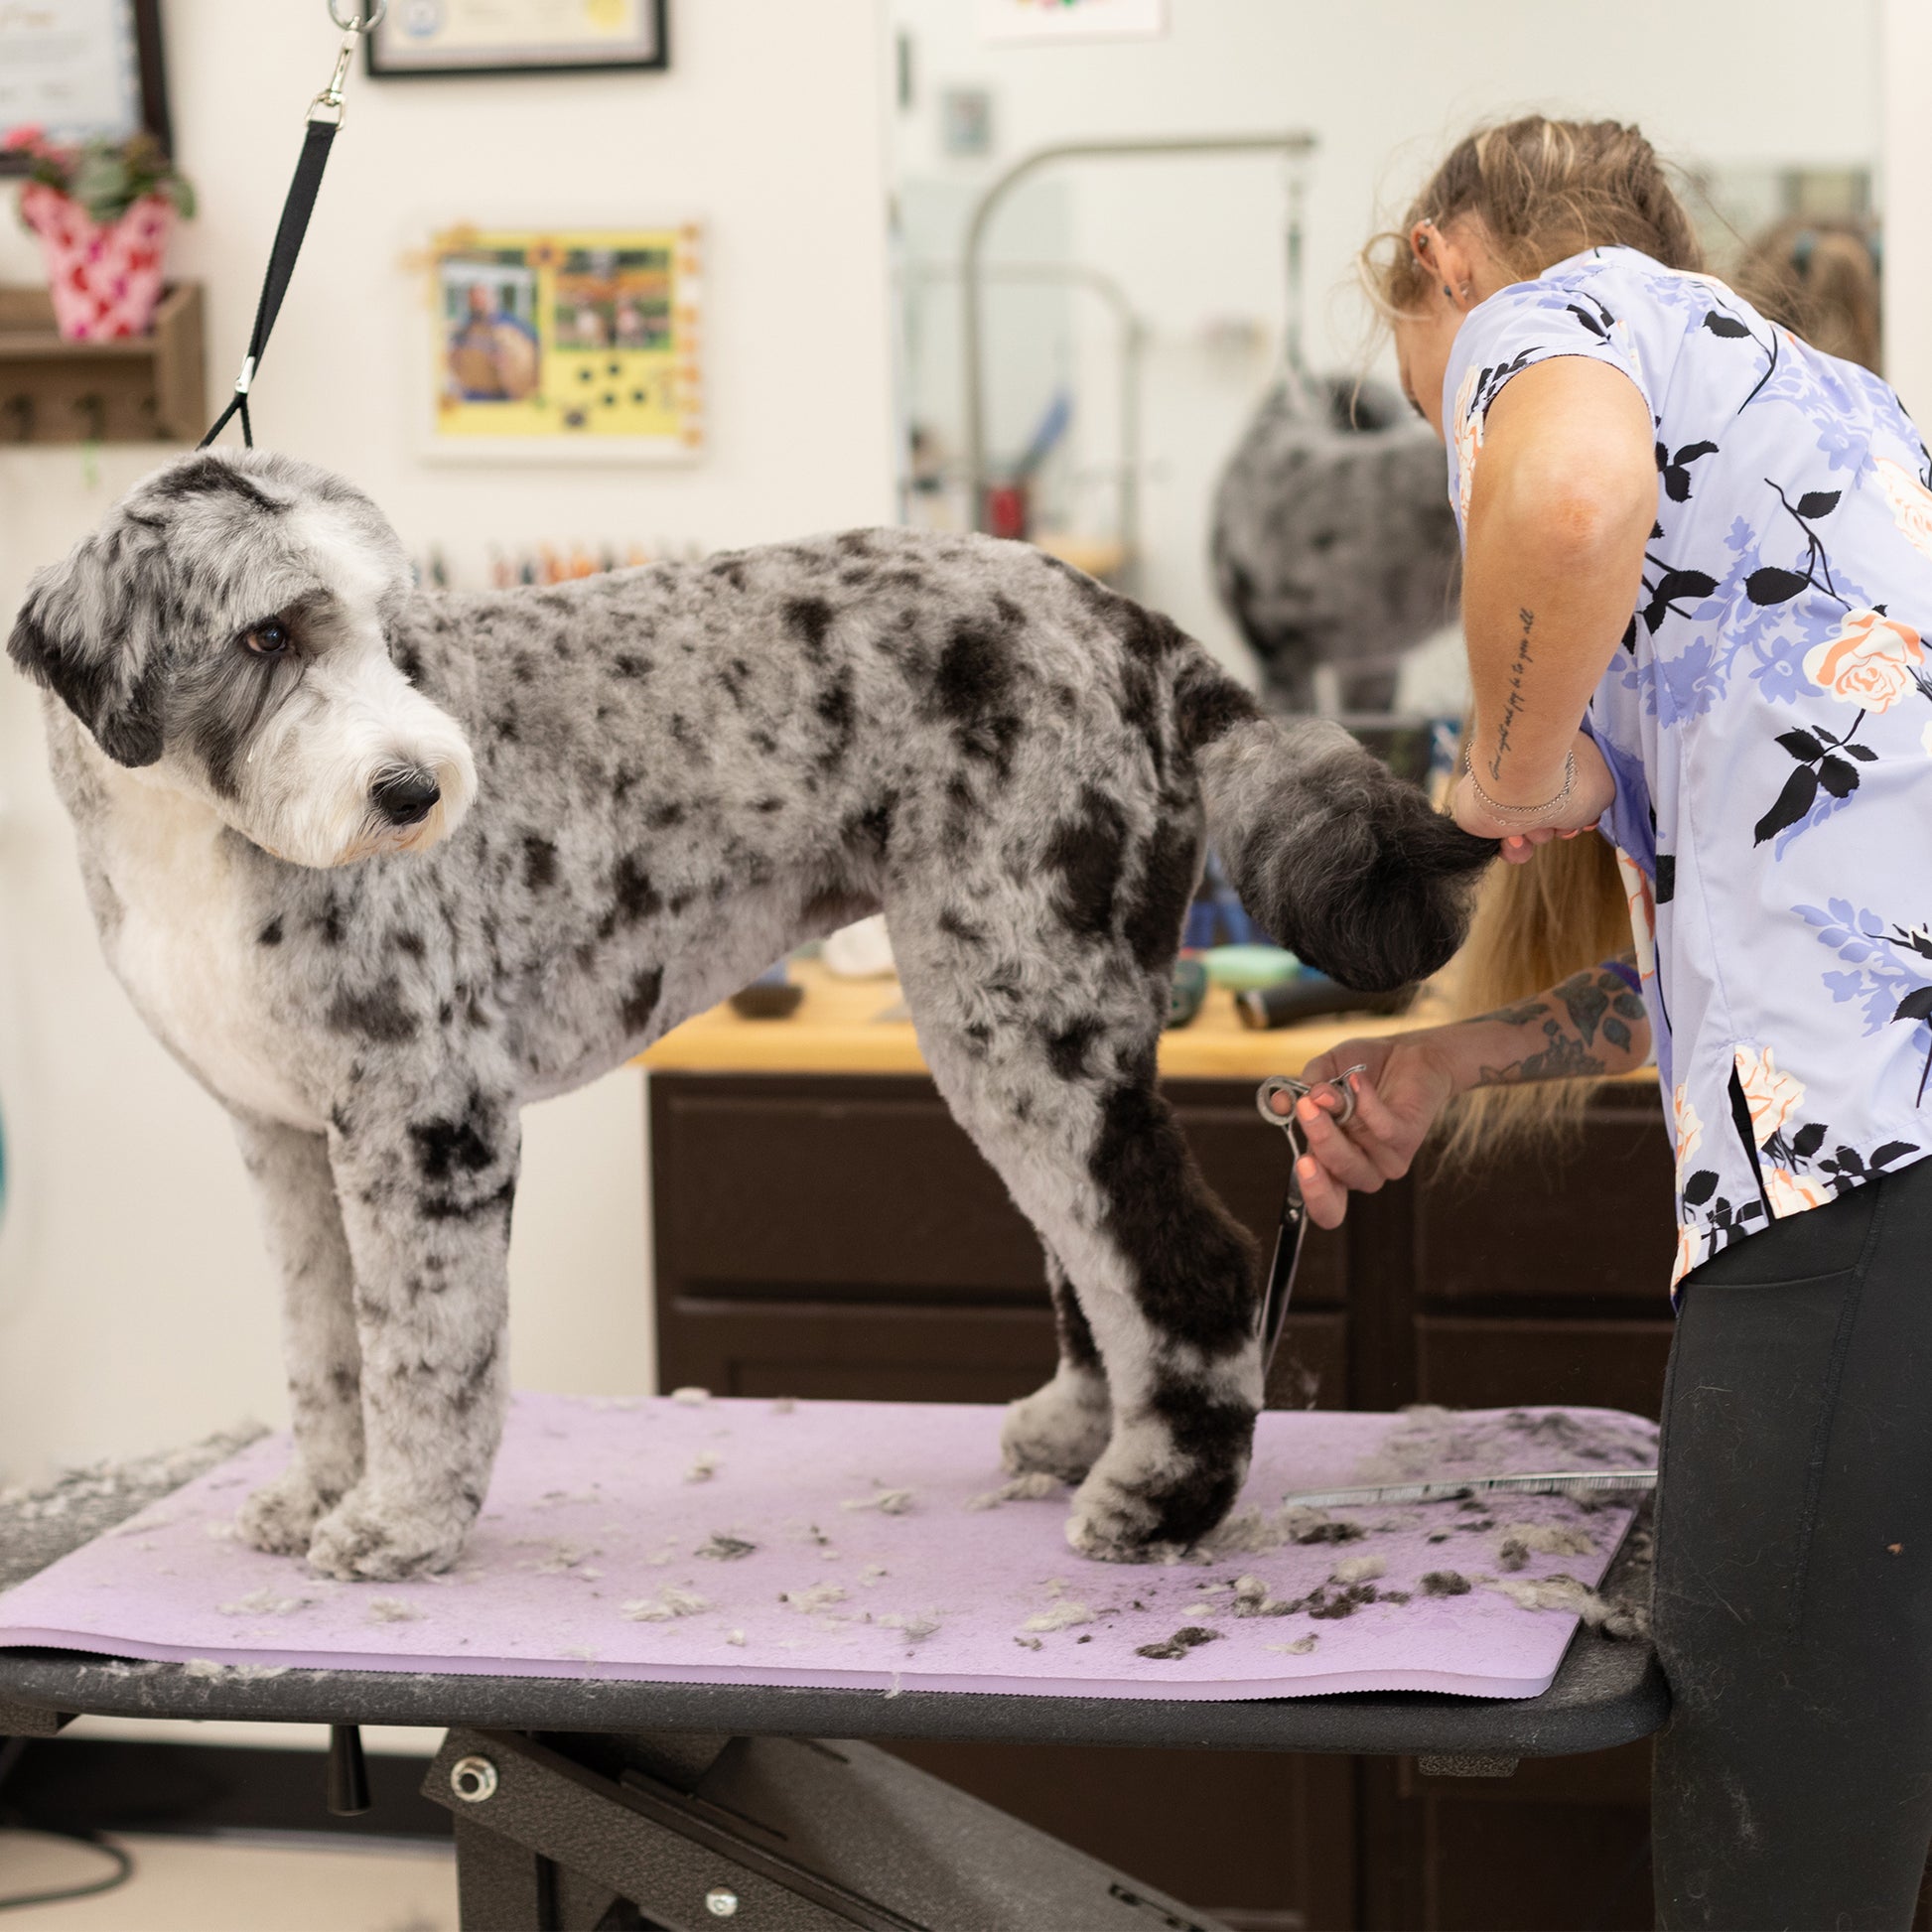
(1697, 560)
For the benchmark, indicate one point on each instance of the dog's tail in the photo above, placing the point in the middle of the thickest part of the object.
(1337, 858)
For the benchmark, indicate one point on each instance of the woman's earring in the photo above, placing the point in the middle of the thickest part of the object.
(1447, 291)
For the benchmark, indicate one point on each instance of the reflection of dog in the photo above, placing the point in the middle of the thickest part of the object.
(378, 866)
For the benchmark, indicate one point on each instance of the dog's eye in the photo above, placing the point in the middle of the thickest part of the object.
(268, 639)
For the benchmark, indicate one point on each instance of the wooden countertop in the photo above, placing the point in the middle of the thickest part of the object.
(837, 1028)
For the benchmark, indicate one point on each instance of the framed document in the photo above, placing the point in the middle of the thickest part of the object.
(82, 70)
(447, 37)
(566, 344)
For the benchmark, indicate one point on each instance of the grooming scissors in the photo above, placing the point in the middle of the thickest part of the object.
(1295, 1213)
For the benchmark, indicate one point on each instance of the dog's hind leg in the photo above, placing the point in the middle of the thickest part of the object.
(1054, 1077)
(426, 1189)
(306, 1243)
(1061, 1430)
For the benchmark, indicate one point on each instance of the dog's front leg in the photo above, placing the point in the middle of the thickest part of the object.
(426, 1193)
(304, 1227)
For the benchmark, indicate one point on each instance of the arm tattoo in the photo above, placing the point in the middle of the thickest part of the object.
(1514, 703)
(1590, 1007)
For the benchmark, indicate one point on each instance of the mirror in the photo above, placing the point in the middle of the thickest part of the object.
(1130, 326)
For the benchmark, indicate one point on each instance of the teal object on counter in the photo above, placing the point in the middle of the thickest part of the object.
(1242, 968)
(1188, 990)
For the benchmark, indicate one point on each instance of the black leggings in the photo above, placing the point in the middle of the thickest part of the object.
(1794, 1573)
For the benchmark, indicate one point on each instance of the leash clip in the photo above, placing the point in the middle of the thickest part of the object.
(329, 100)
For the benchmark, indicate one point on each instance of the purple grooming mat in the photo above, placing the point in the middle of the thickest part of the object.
(855, 1545)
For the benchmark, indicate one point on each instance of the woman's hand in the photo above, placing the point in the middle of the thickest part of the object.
(1404, 1084)
(1589, 798)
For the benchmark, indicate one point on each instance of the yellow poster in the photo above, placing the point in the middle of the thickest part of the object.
(571, 336)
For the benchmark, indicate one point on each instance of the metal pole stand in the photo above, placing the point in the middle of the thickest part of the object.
(572, 1831)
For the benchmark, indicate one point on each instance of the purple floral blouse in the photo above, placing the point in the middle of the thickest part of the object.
(1769, 723)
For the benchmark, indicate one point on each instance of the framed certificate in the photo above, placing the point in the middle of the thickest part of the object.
(452, 37)
(566, 344)
(82, 70)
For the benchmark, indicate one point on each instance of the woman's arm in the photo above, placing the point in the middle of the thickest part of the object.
(1564, 500)
(1591, 1025)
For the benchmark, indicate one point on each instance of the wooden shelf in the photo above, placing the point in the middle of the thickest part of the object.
(130, 389)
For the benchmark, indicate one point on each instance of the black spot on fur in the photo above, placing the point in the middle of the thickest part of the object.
(837, 712)
(444, 1148)
(768, 805)
(633, 896)
(809, 618)
(338, 1120)
(405, 941)
(507, 728)
(407, 662)
(735, 677)
(1151, 927)
(627, 663)
(641, 999)
(661, 817)
(1194, 1264)
(377, 1015)
(870, 832)
(271, 933)
(973, 688)
(728, 570)
(1213, 1438)
(1445, 1582)
(956, 925)
(1207, 703)
(539, 863)
(211, 476)
(1066, 1050)
(452, 1207)
(1077, 1346)
(1088, 854)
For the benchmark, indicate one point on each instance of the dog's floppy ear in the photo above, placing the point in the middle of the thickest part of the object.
(87, 630)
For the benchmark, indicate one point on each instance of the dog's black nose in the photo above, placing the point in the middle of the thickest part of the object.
(405, 797)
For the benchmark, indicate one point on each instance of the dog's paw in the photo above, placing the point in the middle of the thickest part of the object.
(280, 1517)
(1058, 1431)
(364, 1540)
(1114, 1523)
(1147, 1499)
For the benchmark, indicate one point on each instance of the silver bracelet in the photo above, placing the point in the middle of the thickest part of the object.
(1497, 810)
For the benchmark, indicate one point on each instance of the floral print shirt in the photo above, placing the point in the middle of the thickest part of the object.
(1769, 723)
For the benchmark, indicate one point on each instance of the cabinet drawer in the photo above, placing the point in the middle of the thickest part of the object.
(1592, 1219)
(1471, 1362)
(868, 1189)
(836, 1352)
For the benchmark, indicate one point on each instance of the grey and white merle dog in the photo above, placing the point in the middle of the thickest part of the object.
(378, 866)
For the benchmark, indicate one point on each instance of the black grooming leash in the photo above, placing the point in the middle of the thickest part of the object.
(326, 113)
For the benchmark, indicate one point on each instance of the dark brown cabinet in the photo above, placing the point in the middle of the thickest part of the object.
(838, 1236)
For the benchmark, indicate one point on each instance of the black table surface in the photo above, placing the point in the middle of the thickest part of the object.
(1606, 1691)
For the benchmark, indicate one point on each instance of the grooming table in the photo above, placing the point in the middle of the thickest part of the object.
(863, 1570)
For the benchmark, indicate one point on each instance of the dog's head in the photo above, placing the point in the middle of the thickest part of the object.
(225, 633)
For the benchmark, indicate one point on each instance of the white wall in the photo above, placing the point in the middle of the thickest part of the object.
(1907, 67)
(1386, 85)
(135, 1306)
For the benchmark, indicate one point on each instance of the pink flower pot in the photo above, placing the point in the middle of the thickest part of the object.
(105, 279)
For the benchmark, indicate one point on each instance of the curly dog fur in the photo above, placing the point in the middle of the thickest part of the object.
(380, 865)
